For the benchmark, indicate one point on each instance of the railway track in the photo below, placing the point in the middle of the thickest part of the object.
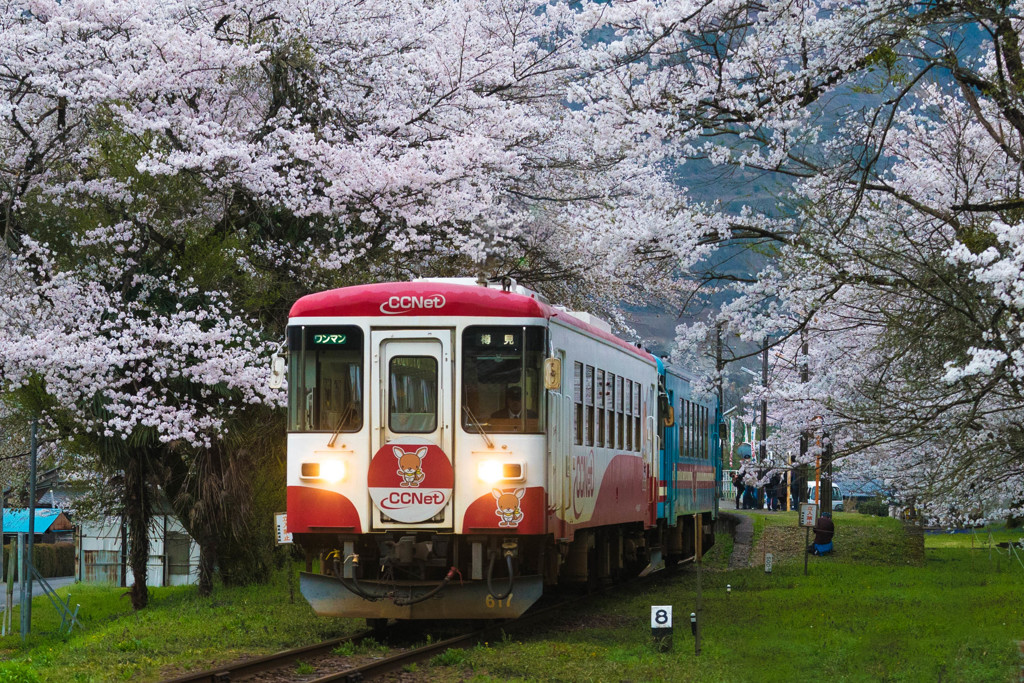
(251, 667)
(320, 663)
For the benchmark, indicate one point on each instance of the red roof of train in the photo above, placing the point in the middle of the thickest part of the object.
(404, 299)
(418, 298)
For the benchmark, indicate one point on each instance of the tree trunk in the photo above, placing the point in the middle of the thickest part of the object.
(138, 513)
(207, 561)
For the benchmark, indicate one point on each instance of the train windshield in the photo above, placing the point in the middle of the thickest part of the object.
(502, 390)
(325, 382)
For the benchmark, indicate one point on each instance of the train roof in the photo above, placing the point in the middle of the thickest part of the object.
(419, 297)
(455, 297)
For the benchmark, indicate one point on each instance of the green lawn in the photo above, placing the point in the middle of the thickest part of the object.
(887, 606)
(178, 631)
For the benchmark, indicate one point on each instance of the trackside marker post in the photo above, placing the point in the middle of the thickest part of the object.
(661, 626)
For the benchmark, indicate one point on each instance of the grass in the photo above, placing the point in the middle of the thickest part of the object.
(973, 538)
(886, 606)
(179, 631)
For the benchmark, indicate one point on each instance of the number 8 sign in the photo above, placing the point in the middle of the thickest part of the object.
(661, 616)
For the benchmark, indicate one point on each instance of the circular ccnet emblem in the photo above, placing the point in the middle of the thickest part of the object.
(410, 479)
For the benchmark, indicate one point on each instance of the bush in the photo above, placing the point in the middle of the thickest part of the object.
(873, 506)
(50, 559)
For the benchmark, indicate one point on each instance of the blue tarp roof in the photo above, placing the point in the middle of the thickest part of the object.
(16, 520)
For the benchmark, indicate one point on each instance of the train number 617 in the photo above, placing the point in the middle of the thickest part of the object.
(492, 602)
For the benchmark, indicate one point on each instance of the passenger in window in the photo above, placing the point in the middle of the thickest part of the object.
(513, 408)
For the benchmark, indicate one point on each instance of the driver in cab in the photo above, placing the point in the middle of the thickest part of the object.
(513, 408)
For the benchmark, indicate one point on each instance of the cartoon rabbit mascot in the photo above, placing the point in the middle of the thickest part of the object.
(508, 506)
(409, 466)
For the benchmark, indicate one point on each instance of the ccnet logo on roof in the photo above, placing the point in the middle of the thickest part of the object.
(410, 480)
(406, 303)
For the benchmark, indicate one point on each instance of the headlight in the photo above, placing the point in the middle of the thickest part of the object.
(332, 471)
(489, 471)
(492, 471)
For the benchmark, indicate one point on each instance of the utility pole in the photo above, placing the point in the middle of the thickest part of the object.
(26, 573)
(800, 480)
(826, 485)
(720, 366)
(764, 403)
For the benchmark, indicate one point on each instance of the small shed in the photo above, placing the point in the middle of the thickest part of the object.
(101, 553)
(51, 525)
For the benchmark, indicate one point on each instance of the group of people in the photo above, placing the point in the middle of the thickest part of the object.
(763, 488)
(759, 487)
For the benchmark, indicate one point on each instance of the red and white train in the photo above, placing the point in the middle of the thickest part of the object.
(456, 445)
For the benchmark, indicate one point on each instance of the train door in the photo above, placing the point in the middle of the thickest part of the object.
(411, 477)
(650, 454)
(559, 452)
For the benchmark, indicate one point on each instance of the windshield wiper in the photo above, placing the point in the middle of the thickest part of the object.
(479, 427)
(348, 413)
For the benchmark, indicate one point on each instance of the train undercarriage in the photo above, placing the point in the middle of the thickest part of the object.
(430, 575)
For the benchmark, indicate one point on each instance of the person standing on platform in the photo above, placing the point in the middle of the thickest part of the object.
(778, 490)
(748, 475)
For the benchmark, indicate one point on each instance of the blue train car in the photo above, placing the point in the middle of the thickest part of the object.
(690, 460)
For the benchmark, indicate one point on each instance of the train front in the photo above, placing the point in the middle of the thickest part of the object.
(416, 441)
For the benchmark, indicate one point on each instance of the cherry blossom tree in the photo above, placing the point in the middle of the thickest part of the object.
(174, 174)
(892, 134)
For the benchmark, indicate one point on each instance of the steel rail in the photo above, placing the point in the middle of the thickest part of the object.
(400, 660)
(247, 667)
(387, 665)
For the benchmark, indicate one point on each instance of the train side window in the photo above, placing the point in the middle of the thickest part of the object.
(325, 380)
(599, 408)
(610, 410)
(694, 431)
(685, 440)
(690, 431)
(619, 442)
(577, 378)
(683, 426)
(704, 433)
(588, 397)
(628, 414)
(412, 394)
(637, 434)
(681, 421)
(701, 429)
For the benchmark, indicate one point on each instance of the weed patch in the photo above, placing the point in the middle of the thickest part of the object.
(17, 672)
(450, 657)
